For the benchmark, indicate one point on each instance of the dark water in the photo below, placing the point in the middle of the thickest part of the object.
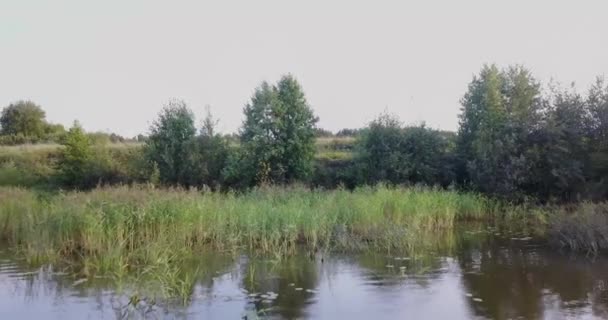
(510, 279)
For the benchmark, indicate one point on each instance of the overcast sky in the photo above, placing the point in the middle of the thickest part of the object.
(112, 64)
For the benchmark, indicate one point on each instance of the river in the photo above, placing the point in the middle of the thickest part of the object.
(497, 279)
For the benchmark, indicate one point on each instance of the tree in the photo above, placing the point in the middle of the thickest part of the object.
(346, 132)
(379, 156)
(23, 118)
(212, 153)
(427, 156)
(559, 148)
(388, 152)
(171, 144)
(54, 132)
(296, 130)
(277, 136)
(73, 165)
(323, 133)
(500, 113)
(597, 102)
(598, 108)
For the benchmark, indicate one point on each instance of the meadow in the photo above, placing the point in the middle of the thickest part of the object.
(35, 165)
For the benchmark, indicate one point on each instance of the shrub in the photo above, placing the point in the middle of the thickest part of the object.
(387, 152)
(583, 227)
(171, 144)
(75, 158)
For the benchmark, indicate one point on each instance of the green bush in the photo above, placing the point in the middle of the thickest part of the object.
(388, 152)
(171, 144)
(13, 175)
(74, 166)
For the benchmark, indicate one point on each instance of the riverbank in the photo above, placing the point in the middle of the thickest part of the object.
(116, 225)
(124, 227)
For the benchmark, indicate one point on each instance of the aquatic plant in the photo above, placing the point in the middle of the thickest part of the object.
(582, 227)
(122, 227)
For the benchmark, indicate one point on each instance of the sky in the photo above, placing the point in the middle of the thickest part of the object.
(112, 64)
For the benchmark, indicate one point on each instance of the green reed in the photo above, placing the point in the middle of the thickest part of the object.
(121, 227)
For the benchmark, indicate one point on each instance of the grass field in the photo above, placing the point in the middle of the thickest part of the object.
(35, 165)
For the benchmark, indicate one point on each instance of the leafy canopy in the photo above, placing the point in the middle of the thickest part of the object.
(277, 136)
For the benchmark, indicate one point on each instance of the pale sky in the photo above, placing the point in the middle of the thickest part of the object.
(112, 64)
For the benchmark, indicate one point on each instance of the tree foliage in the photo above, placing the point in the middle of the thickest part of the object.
(171, 143)
(212, 153)
(277, 136)
(179, 155)
(74, 163)
(389, 152)
(517, 140)
(23, 118)
(500, 112)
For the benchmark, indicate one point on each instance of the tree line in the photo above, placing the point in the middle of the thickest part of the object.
(24, 122)
(515, 141)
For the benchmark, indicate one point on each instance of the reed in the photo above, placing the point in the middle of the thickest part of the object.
(114, 228)
(582, 227)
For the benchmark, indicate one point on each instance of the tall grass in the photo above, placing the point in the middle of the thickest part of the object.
(120, 227)
(582, 227)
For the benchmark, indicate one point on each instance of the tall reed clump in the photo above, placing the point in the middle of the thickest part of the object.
(129, 226)
(582, 227)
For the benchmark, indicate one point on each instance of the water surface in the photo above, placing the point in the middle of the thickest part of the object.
(498, 279)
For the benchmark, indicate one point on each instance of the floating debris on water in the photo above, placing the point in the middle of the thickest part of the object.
(522, 239)
(269, 295)
(80, 281)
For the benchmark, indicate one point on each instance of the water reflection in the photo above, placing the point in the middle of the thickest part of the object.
(283, 288)
(515, 280)
(480, 277)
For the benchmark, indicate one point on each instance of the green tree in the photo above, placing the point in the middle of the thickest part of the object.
(387, 152)
(598, 107)
(212, 153)
(76, 156)
(277, 137)
(297, 126)
(560, 147)
(428, 157)
(54, 132)
(597, 102)
(379, 152)
(23, 118)
(500, 113)
(171, 144)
